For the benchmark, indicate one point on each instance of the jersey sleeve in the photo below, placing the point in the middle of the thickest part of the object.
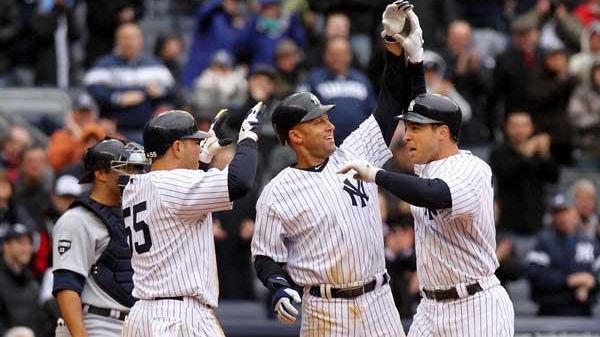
(268, 232)
(367, 142)
(73, 245)
(192, 192)
(466, 185)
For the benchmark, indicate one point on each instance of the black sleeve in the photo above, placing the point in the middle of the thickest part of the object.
(67, 280)
(266, 268)
(400, 84)
(242, 169)
(429, 193)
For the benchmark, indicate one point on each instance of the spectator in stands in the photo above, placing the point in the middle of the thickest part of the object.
(434, 17)
(337, 24)
(563, 267)
(584, 193)
(18, 290)
(558, 27)
(522, 166)
(584, 114)
(514, 68)
(169, 48)
(435, 70)
(10, 211)
(221, 85)
(471, 73)
(32, 191)
(55, 30)
(581, 63)
(103, 20)
(66, 146)
(288, 65)
(588, 12)
(15, 141)
(129, 85)
(264, 30)
(340, 84)
(489, 22)
(218, 24)
(9, 26)
(550, 89)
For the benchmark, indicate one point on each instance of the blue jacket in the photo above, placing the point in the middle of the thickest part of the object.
(549, 264)
(214, 31)
(258, 41)
(353, 96)
(113, 75)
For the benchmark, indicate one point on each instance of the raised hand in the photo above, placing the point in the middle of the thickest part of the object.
(251, 125)
(393, 18)
(214, 143)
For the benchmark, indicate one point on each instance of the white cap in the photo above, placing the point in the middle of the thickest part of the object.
(68, 185)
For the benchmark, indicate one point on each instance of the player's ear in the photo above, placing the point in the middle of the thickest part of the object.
(177, 148)
(295, 137)
(101, 175)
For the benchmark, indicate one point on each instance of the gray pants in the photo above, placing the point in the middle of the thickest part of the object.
(96, 326)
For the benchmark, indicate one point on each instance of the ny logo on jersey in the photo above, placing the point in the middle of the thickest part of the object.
(584, 252)
(356, 191)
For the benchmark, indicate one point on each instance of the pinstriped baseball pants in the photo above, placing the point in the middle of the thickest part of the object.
(171, 318)
(489, 313)
(370, 315)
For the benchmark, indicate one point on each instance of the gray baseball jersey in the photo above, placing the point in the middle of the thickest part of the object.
(167, 215)
(79, 238)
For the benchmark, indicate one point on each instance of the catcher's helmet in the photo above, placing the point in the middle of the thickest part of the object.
(434, 109)
(294, 109)
(100, 157)
(164, 129)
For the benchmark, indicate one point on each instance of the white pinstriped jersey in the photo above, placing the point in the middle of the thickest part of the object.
(325, 226)
(168, 214)
(458, 244)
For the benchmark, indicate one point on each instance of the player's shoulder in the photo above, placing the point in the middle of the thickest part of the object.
(474, 162)
(76, 219)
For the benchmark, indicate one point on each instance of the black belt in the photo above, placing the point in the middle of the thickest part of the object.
(105, 312)
(175, 298)
(452, 293)
(351, 292)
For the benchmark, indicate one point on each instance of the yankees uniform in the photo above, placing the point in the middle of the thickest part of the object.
(327, 228)
(167, 215)
(456, 247)
(452, 205)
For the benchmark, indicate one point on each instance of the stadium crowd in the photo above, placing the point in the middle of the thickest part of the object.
(525, 73)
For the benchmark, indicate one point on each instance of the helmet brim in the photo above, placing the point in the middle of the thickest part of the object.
(197, 135)
(317, 112)
(418, 118)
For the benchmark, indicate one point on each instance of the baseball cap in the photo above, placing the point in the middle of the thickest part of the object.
(263, 69)
(222, 58)
(523, 24)
(84, 101)
(16, 231)
(559, 202)
(433, 61)
(68, 186)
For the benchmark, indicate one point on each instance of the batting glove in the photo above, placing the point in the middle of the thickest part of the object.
(285, 299)
(213, 144)
(413, 43)
(364, 170)
(393, 19)
(251, 125)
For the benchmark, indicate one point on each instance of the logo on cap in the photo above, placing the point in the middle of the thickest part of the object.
(411, 105)
(314, 99)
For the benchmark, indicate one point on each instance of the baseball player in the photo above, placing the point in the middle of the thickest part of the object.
(319, 233)
(168, 213)
(452, 204)
(92, 267)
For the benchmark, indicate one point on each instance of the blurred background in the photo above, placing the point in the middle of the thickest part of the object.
(526, 74)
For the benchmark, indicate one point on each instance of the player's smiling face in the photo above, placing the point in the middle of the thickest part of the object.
(422, 141)
(314, 137)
